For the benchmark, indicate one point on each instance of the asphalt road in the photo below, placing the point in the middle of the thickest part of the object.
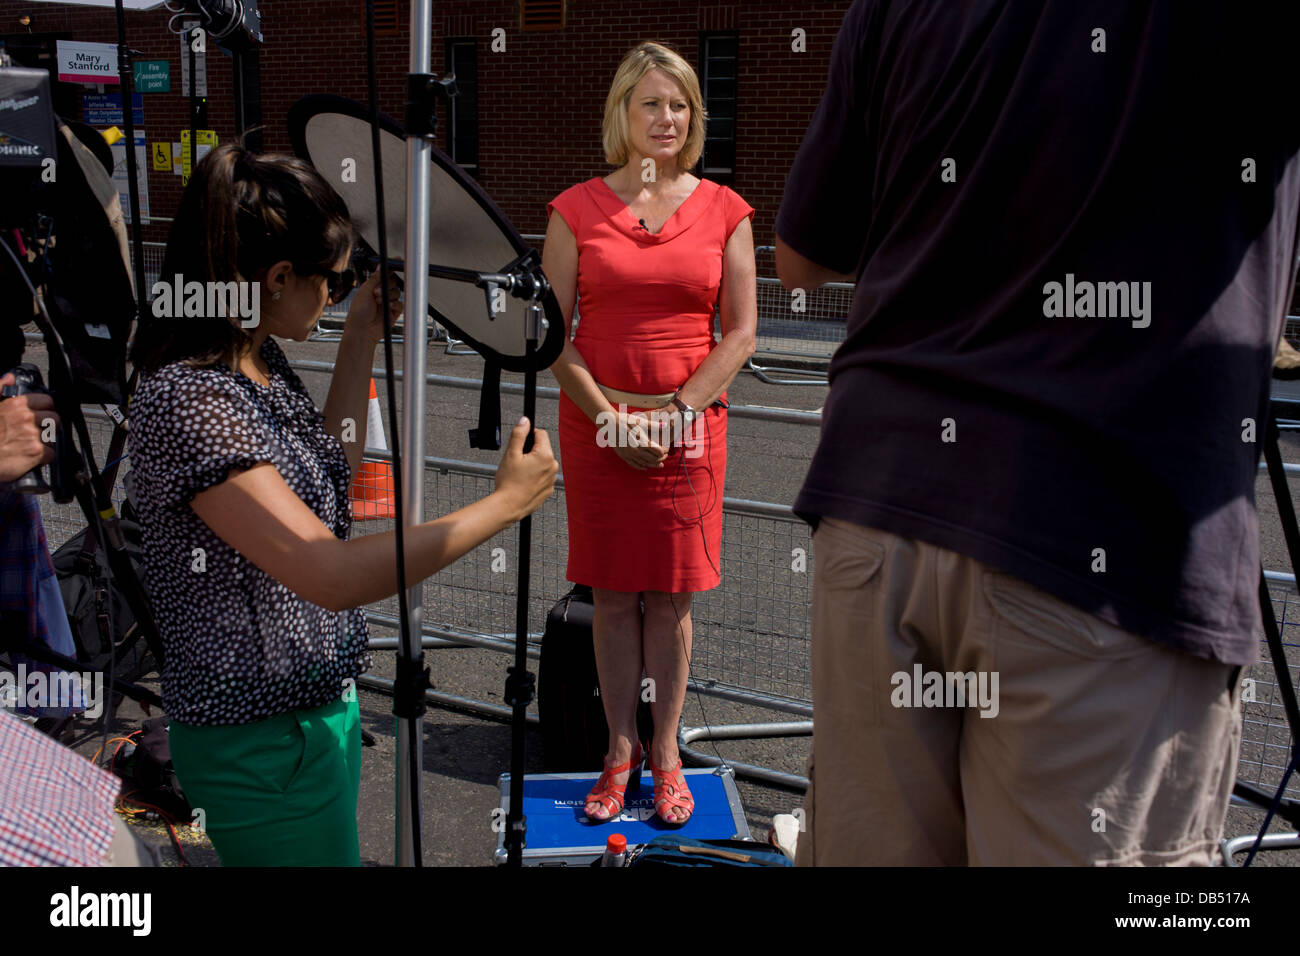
(759, 642)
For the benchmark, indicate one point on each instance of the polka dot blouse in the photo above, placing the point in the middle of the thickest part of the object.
(240, 646)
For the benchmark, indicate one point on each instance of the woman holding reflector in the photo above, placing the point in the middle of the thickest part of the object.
(242, 489)
(649, 250)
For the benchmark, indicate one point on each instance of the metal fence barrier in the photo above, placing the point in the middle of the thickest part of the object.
(153, 260)
(809, 335)
(752, 633)
(807, 326)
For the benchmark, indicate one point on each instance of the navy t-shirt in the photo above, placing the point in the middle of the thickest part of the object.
(1074, 228)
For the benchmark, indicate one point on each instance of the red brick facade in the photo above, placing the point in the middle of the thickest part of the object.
(540, 101)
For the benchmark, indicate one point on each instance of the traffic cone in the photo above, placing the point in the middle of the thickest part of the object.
(372, 489)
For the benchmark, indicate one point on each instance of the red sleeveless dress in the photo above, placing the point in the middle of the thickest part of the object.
(646, 303)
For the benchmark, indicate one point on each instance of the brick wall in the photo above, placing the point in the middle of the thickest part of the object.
(540, 100)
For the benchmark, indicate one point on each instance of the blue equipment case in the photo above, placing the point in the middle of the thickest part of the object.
(559, 833)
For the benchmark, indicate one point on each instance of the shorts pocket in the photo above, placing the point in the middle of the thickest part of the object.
(847, 632)
(1025, 614)
(848, 556)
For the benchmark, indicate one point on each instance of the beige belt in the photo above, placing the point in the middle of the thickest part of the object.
(633, 400)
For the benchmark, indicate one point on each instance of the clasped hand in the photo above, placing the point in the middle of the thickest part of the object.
(650, 436)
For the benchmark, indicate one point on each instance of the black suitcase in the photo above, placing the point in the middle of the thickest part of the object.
(575, 733)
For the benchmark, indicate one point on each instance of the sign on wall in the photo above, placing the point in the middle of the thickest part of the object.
(152, 76)
(200, 63)
(207, 141)
(120, 179)
(105, 109)
(81, 62)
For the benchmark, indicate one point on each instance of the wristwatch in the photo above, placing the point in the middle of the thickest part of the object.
(688, 414)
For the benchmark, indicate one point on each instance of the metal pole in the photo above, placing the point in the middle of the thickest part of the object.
(126, 77)
(519, 685)
(237, 71)
(194, 63)
(413, 354)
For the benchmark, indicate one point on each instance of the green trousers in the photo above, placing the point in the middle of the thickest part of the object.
(278, 792)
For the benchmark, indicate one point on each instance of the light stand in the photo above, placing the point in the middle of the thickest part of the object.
(126, 77)
(473, 231)
(519, 681)
(1277, 804)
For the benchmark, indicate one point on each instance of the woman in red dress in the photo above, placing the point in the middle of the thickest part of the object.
(650, 251)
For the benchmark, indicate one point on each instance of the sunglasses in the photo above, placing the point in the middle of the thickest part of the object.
(341, 284)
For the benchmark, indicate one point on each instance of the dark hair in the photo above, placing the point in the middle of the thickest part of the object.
(241, 213)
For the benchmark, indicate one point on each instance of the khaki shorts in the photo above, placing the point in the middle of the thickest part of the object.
(962, 716)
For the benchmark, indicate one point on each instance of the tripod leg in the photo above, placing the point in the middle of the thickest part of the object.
(519, 683)
(1291, 531)
(1272, 634)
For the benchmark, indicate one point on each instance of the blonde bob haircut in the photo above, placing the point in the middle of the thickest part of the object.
(640, 61)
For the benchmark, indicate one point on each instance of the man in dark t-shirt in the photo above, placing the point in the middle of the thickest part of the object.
(1073, 232)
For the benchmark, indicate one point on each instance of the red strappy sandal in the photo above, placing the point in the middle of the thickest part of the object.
(671, 793)
(610, 795)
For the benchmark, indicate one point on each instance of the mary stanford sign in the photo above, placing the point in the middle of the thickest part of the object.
(87, 62)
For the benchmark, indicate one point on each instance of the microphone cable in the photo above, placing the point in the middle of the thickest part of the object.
(683, 470)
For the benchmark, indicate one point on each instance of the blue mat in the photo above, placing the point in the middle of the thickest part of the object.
(553, 804)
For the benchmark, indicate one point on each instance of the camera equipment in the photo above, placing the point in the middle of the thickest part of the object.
(234, 24)
(83, 480)
(27, 140)
(62, 265)
(26, 117)
(51, 177)
(90, 299)
(27, 381)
